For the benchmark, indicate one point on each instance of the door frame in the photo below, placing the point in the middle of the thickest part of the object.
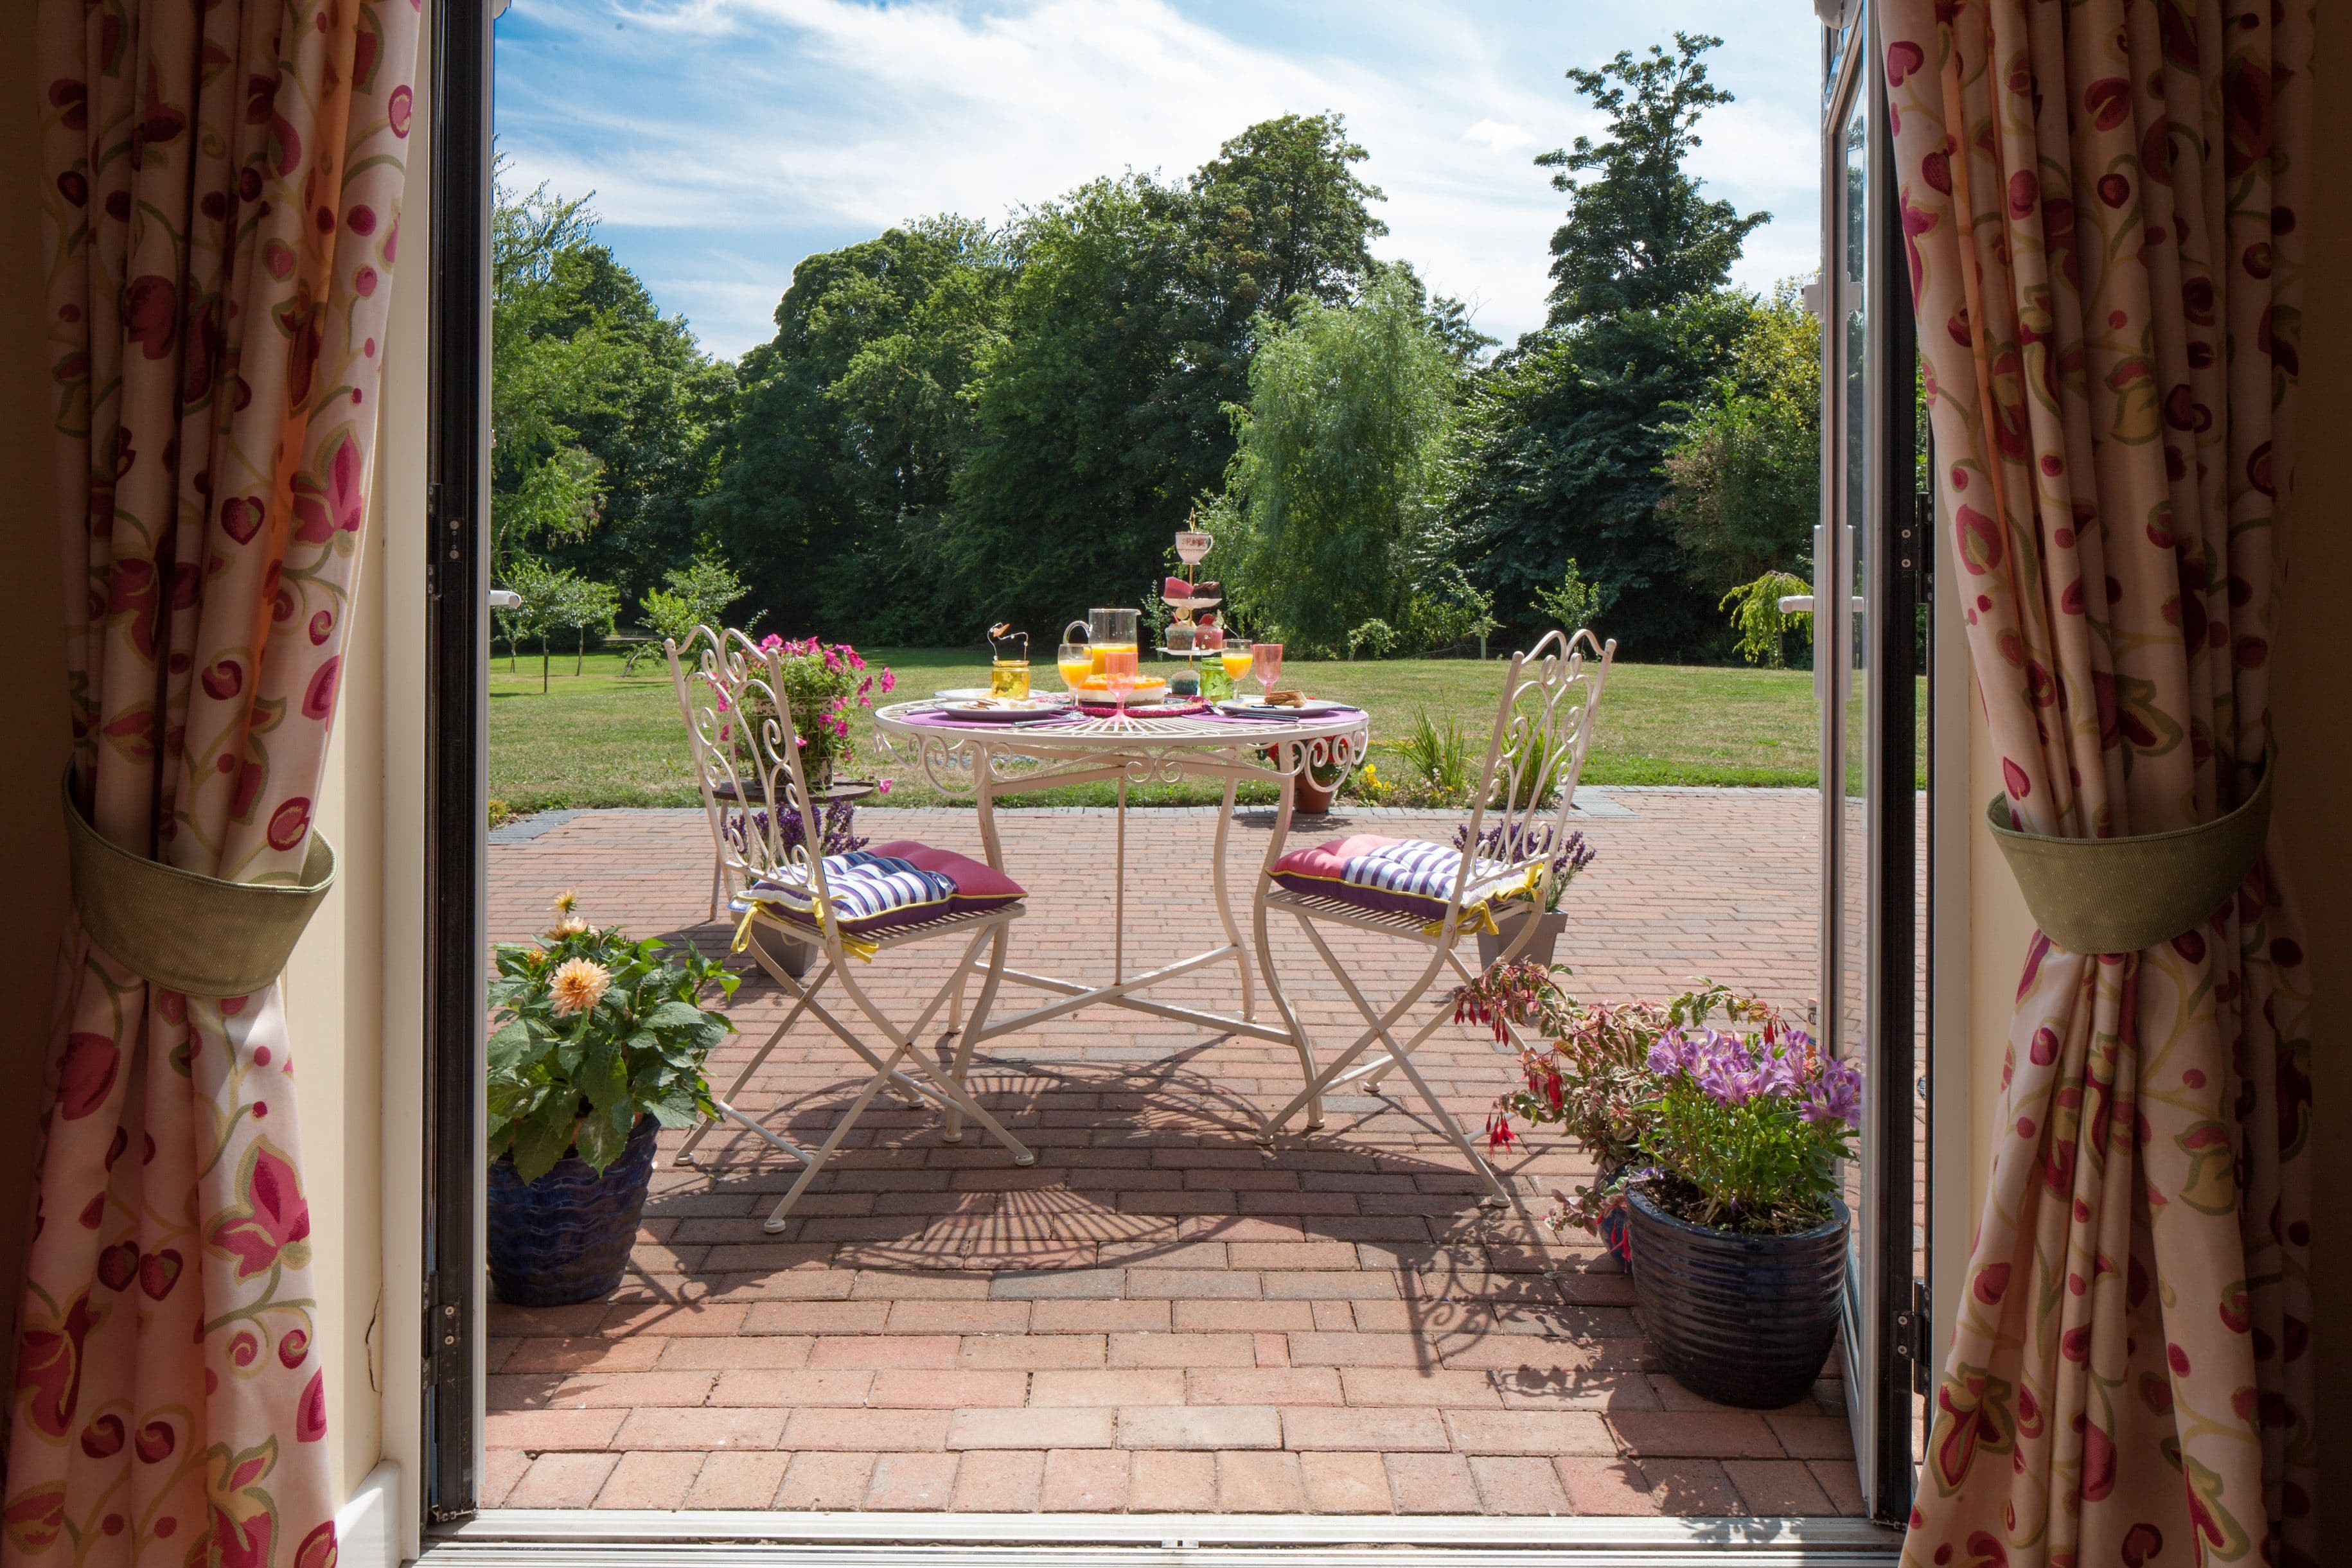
(1885, 1328)
(455, 683)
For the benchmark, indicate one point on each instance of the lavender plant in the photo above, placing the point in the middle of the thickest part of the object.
(836, 829)
(1748, 1129)
(1510, 844)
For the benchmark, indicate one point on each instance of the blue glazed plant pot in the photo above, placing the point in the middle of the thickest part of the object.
(565, 1237)
(1740, 1319)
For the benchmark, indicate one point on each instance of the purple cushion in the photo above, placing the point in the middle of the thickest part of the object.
(1398, 876)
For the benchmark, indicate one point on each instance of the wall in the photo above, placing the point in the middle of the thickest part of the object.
(32, 834)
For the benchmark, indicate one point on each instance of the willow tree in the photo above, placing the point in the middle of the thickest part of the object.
(1334, 484)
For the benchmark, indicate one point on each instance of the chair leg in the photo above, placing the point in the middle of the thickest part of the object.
(1497, 1195)
(806, 1001)
(718, 870)
(1312, 1096)
(1381, 1025)
(824, 1152)
(968, 1040)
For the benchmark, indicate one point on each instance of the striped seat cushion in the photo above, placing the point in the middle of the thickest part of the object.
(1405, 876)
(899, 883)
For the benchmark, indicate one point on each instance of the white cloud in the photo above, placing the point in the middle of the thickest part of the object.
(716, 134)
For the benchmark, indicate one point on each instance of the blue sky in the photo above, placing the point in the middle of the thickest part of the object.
(725, 140)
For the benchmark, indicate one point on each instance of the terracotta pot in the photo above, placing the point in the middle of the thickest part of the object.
(1306, 795)
(1539, 947)
(1740, 1319)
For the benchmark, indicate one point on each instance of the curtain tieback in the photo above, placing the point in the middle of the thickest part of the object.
(189, 933)
(2121, 895)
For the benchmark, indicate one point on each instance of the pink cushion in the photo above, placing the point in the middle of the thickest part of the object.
(979, 886)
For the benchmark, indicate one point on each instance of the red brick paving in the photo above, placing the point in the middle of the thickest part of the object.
(1158, 1317)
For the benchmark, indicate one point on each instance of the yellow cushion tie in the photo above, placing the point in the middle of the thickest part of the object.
(861, 948)
(1479, 917)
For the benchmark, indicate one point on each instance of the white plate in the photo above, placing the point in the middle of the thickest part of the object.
(999, 711)
(959, 694)
(1258, 707)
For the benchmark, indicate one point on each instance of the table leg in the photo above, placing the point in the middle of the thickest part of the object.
(1220, 884)
(1118, 893)
(1288, 756)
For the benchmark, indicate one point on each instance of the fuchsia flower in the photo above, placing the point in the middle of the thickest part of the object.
(889, 680)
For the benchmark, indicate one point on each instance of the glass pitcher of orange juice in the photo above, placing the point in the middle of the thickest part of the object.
(1110, 632)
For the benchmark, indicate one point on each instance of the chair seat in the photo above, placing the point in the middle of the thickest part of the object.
(900, 884)
(1389, 876)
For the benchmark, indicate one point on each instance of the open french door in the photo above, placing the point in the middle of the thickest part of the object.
(1870, 582)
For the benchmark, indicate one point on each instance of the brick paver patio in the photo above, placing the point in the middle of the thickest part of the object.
(1158, 1316)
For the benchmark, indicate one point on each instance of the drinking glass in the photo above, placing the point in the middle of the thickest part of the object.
(1266, 658)
(1236, 662)
(1077, 662)
(1008, 663)
(1119, 674)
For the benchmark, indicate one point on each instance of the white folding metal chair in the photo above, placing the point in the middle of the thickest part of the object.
(1527, 788)
(748, 765)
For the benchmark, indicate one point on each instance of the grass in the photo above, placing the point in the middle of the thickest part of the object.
(603, 739)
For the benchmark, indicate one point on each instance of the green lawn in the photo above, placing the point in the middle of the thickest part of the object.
(603, 738)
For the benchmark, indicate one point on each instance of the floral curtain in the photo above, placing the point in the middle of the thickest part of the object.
(220, 221)
(2103, 200)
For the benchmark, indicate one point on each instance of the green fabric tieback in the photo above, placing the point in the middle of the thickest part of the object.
(195, 935)
(2122, 895)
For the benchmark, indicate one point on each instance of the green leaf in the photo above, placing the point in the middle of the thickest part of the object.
(541, 1140)
(600, 1145)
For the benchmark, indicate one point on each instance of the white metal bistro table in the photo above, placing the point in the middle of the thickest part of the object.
(986, 759)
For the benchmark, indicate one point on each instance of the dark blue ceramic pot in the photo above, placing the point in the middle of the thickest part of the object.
(565, 1237)
(1740, 1319)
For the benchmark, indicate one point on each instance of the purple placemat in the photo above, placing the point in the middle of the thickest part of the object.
(934, 720)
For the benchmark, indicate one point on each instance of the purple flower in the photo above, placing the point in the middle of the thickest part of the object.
(1836, 1096)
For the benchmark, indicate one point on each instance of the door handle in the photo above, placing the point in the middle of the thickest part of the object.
(1796, 604)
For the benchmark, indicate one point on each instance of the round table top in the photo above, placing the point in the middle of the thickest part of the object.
(1203, 731)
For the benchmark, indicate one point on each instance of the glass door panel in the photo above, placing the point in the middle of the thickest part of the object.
(1873, 875)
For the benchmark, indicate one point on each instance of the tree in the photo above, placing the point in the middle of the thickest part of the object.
(1560, 455)
(1334, 484)
(836, 467)
(1638, 234)
(1743, 473)
(599, 404)
(692, 596)
(1564, 441)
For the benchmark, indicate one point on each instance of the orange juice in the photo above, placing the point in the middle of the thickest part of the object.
(1103, 650)
(1236, 662)
(1076, 670)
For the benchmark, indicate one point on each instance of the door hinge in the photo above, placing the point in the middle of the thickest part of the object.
(1911, 1337)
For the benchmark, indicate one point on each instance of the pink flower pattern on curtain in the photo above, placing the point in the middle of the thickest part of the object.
(220, 223)
(2102, 200)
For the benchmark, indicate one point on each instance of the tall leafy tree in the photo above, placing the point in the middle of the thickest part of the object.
(1639, 235)
(1744, 473)
(836, 464)
(600, 405)
(1333, 491)
(1561, 453)
(1564, 448)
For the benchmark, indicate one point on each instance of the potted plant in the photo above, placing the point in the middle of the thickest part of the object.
(1584, 1066)
(822, 681)
(601, 1043)
(1506, 843)
(1738, 1231)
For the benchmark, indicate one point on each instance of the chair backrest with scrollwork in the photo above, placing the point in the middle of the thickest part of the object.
(739, 724)
(1528, 787)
